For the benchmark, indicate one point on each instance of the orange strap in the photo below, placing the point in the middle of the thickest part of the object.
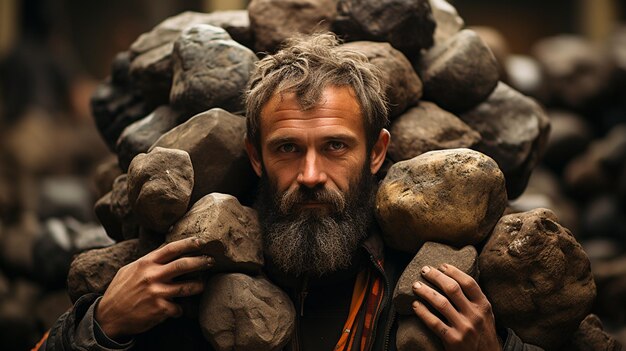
(358, 296)
(43, 339)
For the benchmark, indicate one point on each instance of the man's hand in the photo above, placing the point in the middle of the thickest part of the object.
(140, 295)
(469, 323)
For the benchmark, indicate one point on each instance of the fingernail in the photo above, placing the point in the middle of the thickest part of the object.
(416, 304)
(210, 260)
(443, 267)
(425, 269)
(417, 285)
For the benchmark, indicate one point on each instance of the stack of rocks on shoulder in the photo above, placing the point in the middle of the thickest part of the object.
(122, 209)
(537, 278)
(412, 334)
(159, 187)
(447, 19)
(591, 336)
(450, 196)
(239, 312)
(427, 127)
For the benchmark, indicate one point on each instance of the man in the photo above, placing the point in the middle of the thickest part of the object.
(316, 137)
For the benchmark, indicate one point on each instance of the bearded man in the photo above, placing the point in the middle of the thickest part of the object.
(316, 114)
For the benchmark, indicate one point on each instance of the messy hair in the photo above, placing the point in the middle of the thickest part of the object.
(307, 65)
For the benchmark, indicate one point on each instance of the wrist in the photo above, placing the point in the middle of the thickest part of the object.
(107, 325)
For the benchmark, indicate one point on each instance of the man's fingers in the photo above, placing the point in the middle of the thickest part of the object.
(441, 329)
(470, 287)
(450, 287)
(183, 289)
(170, 309)
(186, 265)
(438, 302)
(175, 249)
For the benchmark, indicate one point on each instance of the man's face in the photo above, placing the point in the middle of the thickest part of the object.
(316, 180)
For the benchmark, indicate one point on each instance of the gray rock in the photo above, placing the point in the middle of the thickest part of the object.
(122, 209)
(230, 233)
(159, 187)
(236, 23)
(120, 69)
(448, 22)
(434, 255)
(524, 75)
(215, 143)
(414, 335)
(139, 136)
(427, 127)
(151, 74)
(449, 196)
(239, 312)
(403, 86)
(273, 21)
(93, 270)
(537, 278)
(210, 70)
(459, 73)
(514, 131)
(407, 25)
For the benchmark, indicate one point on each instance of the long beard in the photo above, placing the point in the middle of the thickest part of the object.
(301, 240)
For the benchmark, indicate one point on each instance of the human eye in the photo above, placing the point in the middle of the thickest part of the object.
(287, 148)
(336, 145)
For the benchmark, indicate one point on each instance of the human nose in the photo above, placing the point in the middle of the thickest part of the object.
(311, 173)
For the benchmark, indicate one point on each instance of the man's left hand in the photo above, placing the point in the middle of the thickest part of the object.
(469, 323)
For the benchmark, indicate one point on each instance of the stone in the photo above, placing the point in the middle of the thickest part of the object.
(427, 127)
(403, 86)
(65, 196)
(591, 336)
(151, 74)
(447, 19)
(120, 69)
(140, 135)
(53, 251)
(210, 70)
(110, 222)
(273, 21)
(236, 23)
(537, 278)
(524, 74)
(239, 312)
(105, 174)
(514, 131)
(497, 43)
(229, 232)
(93, 270)
(413, 334)
(407, 25)
(434, 255)
(610, 278)
(215, 143)
(459, 73)
(115, 107)
(159, 187)
(450, 196)
(122, 209)
(569, 136)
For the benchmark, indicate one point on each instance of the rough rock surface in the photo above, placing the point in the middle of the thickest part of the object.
(434, 255)
(139, 136)
(403, 86)
(214, 141)
(414, 335)
(239, 312)
(447, 19)
(427, 127)
(93, 270)
(110, 222)
(537, 278)
(459, 73)
(122, 209)
(450, 196)
(159, 187)
(273, 21)
(591, 336)
(210, 70)
(514, 131)
(230, 233)
(407, 25)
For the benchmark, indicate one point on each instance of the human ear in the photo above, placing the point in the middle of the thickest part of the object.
(379, 151)
(255, 159)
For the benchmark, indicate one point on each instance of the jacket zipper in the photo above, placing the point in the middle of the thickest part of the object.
(301, 294)
(383, 303)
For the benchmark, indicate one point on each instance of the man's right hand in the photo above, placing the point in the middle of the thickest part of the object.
(140, 295)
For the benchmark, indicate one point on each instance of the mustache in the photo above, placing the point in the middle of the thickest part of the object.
(288, 202)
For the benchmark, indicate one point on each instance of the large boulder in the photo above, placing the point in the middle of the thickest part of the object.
(414, 335)
(450, 196)
(230, 233)
(239, 312)
(215, 143)
(537, 278)
(427, 127)
(209, 70)
(159, 187)
(403, 86)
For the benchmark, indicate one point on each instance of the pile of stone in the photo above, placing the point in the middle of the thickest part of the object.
(463, 144)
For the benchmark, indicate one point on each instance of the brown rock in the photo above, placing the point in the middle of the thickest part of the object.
(230, 232)
(459, 73)
(427, 127)
(403, 86)
(407, 25)
(106, 173)
(447, 19)
(610, 278)
(215, 143)
(159, 187)
(434, 255)
(93, 270)
(414, 335)
(591, 336)
(273, 21)
(537, 278)
(151, 73)
(120, 69)
(110, 222)
(514, 131)
(239, 312)
(450, 196)
(122, 209)
(569, 136)
(236, 23)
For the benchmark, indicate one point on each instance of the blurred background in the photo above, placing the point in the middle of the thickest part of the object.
(569, 55)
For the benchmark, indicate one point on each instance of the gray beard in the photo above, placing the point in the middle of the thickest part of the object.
(314, 241)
